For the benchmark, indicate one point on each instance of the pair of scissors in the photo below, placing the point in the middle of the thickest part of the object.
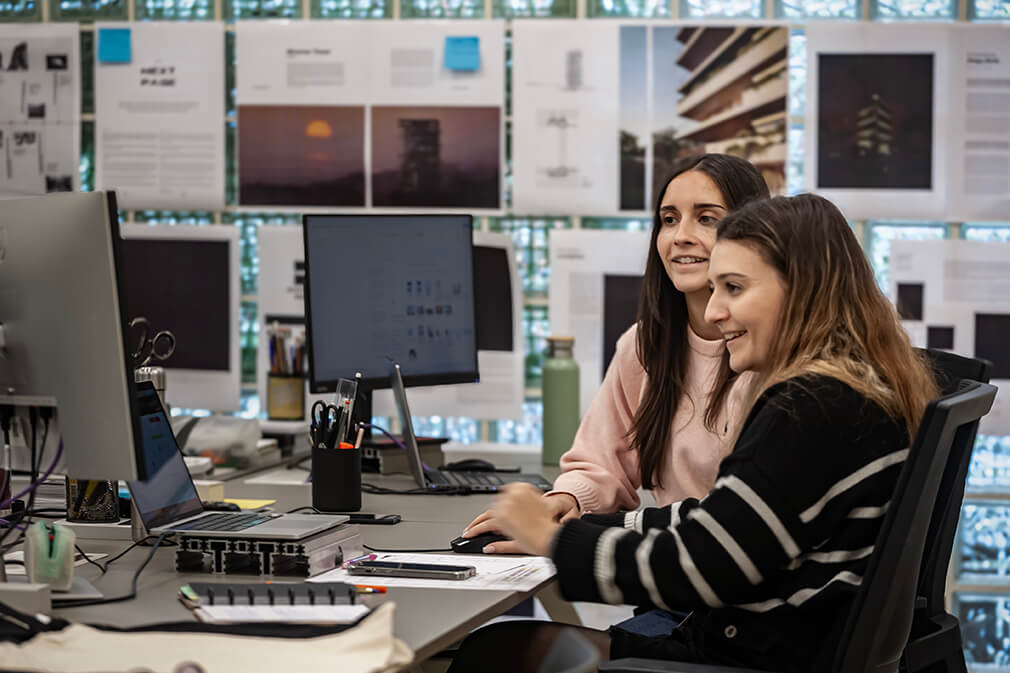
(329, 424)
(152, 346)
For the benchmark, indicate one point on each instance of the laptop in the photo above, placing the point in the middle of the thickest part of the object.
(445, 480)
(168, 500)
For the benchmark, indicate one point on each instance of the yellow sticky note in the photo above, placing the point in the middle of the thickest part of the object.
(249, 503)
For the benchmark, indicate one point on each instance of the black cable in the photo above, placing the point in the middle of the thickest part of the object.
(127, 550)
(405, 551)
(6, 415)
(116, 599)
(89, 559)
(47, 512)
(382, 490)
(33, 420)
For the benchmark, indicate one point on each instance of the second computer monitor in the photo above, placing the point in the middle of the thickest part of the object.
(385, 288)
(185, 279)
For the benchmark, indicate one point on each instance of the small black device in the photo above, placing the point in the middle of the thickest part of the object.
(220, 506)
(432, 571)
(470, 465)
(475, 544)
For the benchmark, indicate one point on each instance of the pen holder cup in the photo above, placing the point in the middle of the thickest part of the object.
(336, 479)
(285, 397)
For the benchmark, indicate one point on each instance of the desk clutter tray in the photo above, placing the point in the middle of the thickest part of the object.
(272, 558)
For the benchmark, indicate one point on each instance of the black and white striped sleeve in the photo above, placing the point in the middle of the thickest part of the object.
(797, 469)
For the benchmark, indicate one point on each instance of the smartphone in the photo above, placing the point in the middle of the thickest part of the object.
(420, 570)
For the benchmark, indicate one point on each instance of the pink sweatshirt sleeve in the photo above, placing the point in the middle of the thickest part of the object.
(600, 469)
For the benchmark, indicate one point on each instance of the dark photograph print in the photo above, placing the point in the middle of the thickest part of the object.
(445, 157)
(875, 121)
(301, 155)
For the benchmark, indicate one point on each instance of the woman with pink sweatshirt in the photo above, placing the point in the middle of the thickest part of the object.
(662, 416)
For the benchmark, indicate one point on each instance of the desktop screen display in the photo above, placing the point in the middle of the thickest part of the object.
(620, 311)
(168, 493)
(493, 290)
(182, 286)
(384, 288)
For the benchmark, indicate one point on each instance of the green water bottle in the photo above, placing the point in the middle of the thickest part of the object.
(561, 398)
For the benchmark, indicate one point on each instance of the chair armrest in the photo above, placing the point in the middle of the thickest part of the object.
(636, 665)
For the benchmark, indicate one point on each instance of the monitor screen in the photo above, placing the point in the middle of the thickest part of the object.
(493, 290)
(185, 279)
(168, 492)
(65, 343)
(182, 286)
(385, 288)
(620, 311)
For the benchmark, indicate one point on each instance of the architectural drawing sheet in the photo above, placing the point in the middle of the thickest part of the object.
(878, 118)
(564, 101)
(159, 140)
(580, 261)
(980, 135)
(40, 103)
(955, 295)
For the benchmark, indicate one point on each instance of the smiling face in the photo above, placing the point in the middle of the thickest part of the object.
(748, 296)
(691, 208)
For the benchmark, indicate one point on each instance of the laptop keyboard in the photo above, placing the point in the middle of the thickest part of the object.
(466, 478)
(225, 521)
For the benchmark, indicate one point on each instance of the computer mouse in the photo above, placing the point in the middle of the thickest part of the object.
(475, 544)
(470, 465)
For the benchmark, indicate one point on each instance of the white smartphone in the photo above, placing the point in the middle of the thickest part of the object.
(432, 571)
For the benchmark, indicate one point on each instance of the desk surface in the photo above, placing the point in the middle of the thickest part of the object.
(428, 522)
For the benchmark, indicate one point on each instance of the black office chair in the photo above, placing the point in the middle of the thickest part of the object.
(570, 653)
(934, 644)
(880, 620)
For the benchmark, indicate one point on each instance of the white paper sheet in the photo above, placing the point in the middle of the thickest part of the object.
(494, 573)
(40, 103)
(159, 140)
(564, 107)
(302, 62)
(832, 143)
(965, 287)
(980, 135)
(408, 63)
(579, 261)
(299, 614)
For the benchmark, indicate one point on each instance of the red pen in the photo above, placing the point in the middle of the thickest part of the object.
(369, 589)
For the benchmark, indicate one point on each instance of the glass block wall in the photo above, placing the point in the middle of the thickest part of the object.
(981, 596)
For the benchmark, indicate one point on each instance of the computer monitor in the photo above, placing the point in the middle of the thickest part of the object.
(64, 328)
(281, 298)
(620, 311)
(500, 354)
(581, 259)
(185, 279)
(384, 288)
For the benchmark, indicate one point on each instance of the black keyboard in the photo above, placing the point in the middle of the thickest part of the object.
(466, 478)
(225, 521)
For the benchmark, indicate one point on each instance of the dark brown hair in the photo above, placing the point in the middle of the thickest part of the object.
(835, 320)
(662, 346)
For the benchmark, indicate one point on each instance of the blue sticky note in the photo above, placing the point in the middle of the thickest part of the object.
(114, 45)
(462, 53)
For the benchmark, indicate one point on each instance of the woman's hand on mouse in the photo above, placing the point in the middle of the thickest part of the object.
(563, 506)
(522, 513)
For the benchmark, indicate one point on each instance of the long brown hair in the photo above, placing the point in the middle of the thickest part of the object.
(835, 320)
(662, 346)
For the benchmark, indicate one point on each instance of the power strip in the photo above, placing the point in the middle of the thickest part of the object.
(29, 598)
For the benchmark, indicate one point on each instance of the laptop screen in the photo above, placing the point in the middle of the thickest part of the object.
(407, 428)
(168, 494)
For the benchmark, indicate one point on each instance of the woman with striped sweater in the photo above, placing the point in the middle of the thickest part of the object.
(769, 561)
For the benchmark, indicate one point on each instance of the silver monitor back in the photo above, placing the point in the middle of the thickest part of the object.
(63, 330)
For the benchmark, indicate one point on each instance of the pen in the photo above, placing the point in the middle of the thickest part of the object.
(359, 436)
(365, 557)
(368, 589)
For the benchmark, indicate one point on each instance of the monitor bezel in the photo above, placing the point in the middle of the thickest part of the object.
(376, 382)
